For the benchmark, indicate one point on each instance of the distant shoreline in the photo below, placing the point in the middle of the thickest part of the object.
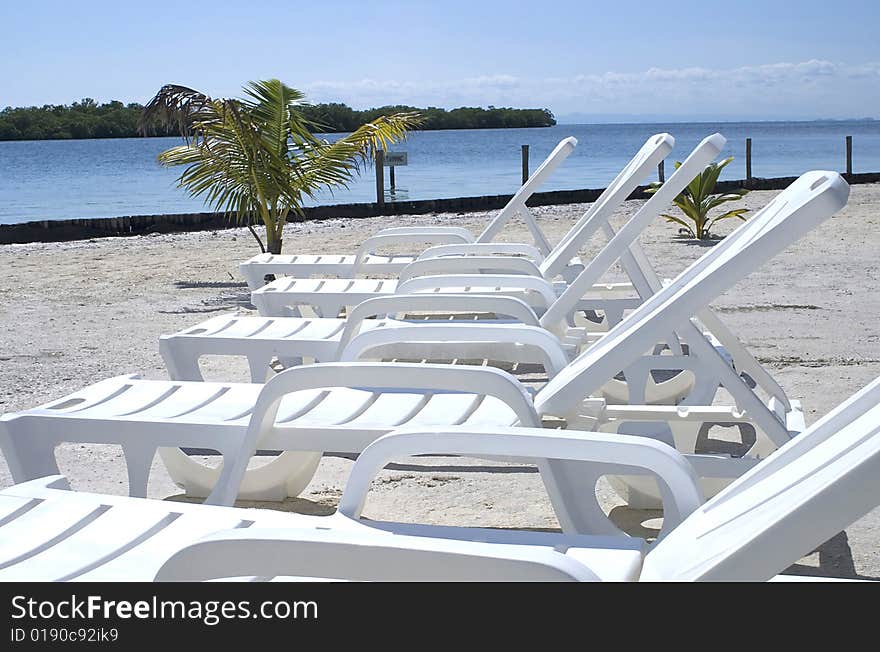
(317, 133)
(87, 119)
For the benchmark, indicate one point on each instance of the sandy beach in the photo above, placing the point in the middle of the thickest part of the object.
(74, 313)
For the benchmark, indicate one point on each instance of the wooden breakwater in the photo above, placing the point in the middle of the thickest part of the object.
(86, 228)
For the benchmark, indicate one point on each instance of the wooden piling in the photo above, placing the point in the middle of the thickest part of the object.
(849, 155)
(748, 159)
(380, 177)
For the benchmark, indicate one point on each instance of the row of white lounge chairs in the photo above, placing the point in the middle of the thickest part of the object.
(781, 491)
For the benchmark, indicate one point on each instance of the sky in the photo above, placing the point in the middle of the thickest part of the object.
(585, 61)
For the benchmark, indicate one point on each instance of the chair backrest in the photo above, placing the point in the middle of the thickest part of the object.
(812, 198)
(619, 244)
(786, 506)
(517, 202)
(625, 246)
(655, 149)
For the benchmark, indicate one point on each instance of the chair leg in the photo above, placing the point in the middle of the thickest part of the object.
(571, 486)
(28, 457)
(259, 368)
(138, 460)
(181, 365)
(226, 487)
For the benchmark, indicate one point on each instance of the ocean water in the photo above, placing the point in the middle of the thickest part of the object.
(45, 180)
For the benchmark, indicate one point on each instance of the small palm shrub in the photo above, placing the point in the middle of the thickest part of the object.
(697, 200)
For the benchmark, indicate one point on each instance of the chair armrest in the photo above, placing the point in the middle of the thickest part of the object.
(372, 244)
(484, 249)
(396, 304)
(514, 281)
(503, 342)
(470, 265)
(376, 376)
(677, 478)
(459, 231)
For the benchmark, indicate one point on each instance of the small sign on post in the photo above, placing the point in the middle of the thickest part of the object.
(393, 159)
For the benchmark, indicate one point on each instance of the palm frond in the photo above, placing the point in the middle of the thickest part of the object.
(653, 187)
(335, 164)
(174, 106)
(737, 213)
(677, 220)
(274, 105)
(716, 200)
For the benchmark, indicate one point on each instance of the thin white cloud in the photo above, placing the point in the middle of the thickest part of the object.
(492, 81)
(806, 88)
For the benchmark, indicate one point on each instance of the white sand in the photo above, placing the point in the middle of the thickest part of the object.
(74, 313)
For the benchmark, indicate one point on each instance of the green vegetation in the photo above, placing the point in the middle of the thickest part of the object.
(697, 200)
(255, 158)
(85, 119)
(88, 119)
(337, 117)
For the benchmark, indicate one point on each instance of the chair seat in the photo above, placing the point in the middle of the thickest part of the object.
(327, 265)
(50, 534)
(211, 415)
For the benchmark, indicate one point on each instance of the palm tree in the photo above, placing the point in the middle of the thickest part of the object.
(256, 158)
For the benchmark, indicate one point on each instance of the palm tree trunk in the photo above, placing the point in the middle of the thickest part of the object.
(275, 232)
(273, 241)
(273, 229)
(273, 246)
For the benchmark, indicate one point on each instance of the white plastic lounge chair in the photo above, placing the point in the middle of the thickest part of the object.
(344, 406)
(327, 297)
(783, 508)
(367, 261)
(296, 339)
(322, 339)
(292, 339)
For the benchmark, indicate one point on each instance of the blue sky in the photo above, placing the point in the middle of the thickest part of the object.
(705, 60)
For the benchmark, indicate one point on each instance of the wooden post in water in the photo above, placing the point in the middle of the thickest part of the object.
(849, 155)
(380, 177)
(525, 163)
(391, 178)
(661, 173)
(748, 159)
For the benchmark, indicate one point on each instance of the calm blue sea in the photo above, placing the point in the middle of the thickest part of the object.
(42, 180)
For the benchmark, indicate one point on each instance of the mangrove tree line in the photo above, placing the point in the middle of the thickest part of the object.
(88, 119)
